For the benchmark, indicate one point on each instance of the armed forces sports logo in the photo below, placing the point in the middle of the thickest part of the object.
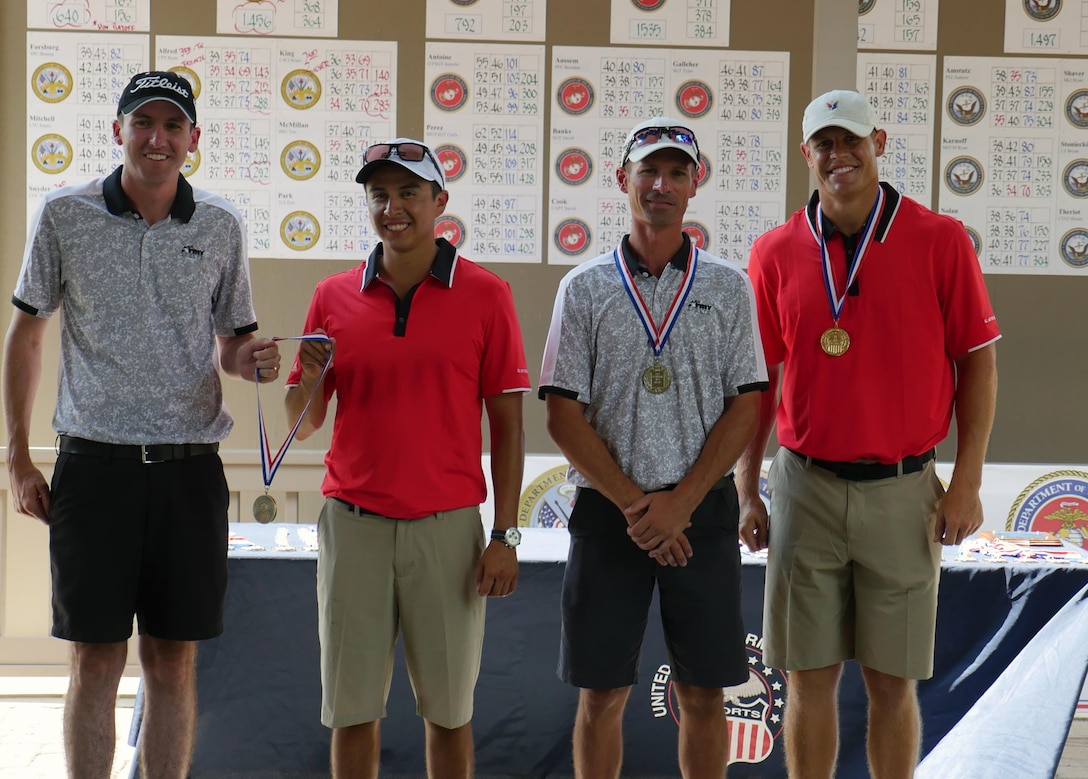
(51, 153)
(449, 92)
(1074, 248)
(1055, 503)
(453, 160)
(1041, 10)
(963, 176)
(548, 501)
(754, 710)
(451, 228)
(575, 96)
(698, 233)
(694, 99)
(300, 230)
(966, 106)
(571, 236)
(301, 89)
(574, 166)
(51, 82)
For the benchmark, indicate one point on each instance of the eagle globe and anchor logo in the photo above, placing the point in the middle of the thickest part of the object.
(754, 710)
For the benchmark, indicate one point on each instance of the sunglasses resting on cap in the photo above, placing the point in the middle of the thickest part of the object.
(674, 137)
(413, 155)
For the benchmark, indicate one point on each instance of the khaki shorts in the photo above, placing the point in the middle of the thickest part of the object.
(377, 577)
(852, 570)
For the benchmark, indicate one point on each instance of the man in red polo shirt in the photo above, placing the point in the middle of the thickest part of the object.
(874, 314)
(421, 340)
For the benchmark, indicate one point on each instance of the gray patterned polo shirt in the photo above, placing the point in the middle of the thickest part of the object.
(597, 350)
(142, 306)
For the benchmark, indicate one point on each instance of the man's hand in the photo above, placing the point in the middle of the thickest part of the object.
(656, 523)
(312, 356)
(497, 571)
(259, 358)
(29, 490)
(959, 514)
(754, 524)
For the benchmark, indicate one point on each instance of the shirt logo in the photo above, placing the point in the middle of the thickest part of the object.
(190, 252)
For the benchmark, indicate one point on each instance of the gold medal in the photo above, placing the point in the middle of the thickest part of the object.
(835, 341)
(264, 509)
(656, 378)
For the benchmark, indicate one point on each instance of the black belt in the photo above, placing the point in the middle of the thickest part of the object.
(357, 509)
(871, 471)
(149, 453)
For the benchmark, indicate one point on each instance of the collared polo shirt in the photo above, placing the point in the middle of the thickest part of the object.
(597, 350)
(410, 377)
(921, 303)
(142, 306)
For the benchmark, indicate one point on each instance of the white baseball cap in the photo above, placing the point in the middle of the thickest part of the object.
(675, 135)
(839, 108)
(409, 153)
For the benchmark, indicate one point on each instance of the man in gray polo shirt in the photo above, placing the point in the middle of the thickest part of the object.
(652, 375)
(152, 278)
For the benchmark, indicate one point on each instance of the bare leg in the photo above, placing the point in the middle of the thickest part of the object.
(451, 753)
(704, 733)
(89, 719)
(598, 733)
(356, 751)
(895, 725)
(812, 723)
(169, 726)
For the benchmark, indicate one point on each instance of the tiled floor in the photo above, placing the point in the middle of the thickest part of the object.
(30, 727)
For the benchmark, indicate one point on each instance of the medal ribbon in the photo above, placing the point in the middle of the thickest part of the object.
(269, 463)
(657, 335)
(867, 234)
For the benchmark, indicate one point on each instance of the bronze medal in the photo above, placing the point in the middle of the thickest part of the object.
(656, 378)
(835, 341)
(264, 509)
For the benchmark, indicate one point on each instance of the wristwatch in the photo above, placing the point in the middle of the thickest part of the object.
(511, 536)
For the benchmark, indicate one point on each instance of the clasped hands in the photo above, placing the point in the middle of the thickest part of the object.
(656, 523)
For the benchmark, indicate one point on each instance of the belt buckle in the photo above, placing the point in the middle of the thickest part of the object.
(143, 455)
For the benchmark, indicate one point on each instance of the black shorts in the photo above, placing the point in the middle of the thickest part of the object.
(609, 583)
(128, 538)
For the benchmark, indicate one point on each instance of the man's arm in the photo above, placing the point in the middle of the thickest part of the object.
(666, 514)
(312, 356)
(22, 374)
(960, 511)
(586, 451)
(753, 512)
(244, 356)
(497, 573)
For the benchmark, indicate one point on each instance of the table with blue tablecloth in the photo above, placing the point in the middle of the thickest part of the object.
(1012, 648)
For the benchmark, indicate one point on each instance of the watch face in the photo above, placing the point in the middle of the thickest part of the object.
(513, 536)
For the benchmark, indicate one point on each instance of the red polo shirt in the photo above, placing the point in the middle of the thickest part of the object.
(922, 302)
(410, 379)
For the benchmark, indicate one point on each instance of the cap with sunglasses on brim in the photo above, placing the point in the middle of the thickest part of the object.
(839, 108)
(158, 85)
(642, 141)
(409, 153)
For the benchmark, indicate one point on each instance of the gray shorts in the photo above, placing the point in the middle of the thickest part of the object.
(852, 570)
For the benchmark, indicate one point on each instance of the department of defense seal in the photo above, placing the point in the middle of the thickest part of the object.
(547, 502)
(1055, 503)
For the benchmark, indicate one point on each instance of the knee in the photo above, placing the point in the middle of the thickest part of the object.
(888, 690)
(701, 702)
(168, 663)
(816, 683)
(602, 704)
(98, 663)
